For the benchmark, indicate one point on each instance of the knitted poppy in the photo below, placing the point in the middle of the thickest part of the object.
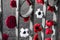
(24, 32)
(5, 36)
(48, 31)
(49, 23)
(36, 37)
(39, 13)
(40, 1)
(13, 4)
(47, 38)
(26, 19)
(37, 28)
(51, 8)
(11, 21)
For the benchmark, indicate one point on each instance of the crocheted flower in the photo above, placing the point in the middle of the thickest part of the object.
(13, 3)
(51, 8)
(26, 19)
(47, 38)
(37, 27)
(40, 2)
(49, 23)
(5, 36)
(24, 32)
(49, 31)
(39, 13)
(11, 22)
(36, 37)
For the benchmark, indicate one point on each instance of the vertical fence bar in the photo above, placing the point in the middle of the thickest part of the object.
(58, 4)
(1, 20)
(54, 27)
(56, 19)
(19, 8)
(58, 24)
(32, 19)
(17, 19)
(44, 19)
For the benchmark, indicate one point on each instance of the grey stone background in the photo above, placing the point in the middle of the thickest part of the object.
(7, 11)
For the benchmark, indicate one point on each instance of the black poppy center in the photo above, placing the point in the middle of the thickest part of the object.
(24, 32)
(37, 27)
(39, 13)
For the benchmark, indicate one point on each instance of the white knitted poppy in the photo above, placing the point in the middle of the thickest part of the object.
(24, 32)
(39, 13)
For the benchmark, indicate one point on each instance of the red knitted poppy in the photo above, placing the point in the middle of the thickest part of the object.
(40, 1)
(47, 38)
(13, 4)
(49, 23)
(37, 28)
(49, 31)
(35, 37)
(11, 21)
(50, 8)
(5, 36)
(26, 19)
